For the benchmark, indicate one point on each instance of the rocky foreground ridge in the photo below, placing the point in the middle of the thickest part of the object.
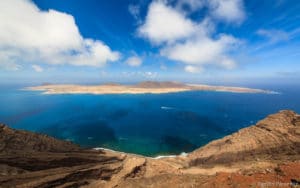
(263, 155)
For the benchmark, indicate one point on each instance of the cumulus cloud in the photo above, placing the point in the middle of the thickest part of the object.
(37, 68)
(190, 5)
(193, 69)
(28, 34)
(199, 51)
(164, 23)
(134, 61)
(227, 10)
(193, 43)
(231, 11)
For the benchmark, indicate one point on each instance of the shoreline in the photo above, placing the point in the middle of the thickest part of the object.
(182, 154)
(141, 88)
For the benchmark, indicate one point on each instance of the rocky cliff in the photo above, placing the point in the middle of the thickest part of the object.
(276, 137)
(17, 141)
(264, 154)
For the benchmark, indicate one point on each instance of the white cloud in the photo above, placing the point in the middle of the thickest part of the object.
(6, 62)
(93, 53)
(28, 34)
(37, 68)
(163, 67)
(193, 69)
(134, 61)
(134, 10)
(164, 23)
(227, 10)
(10, 66)
(193, 43)
(227, 63)
(199, 51)
(150, 74)
(231, 11)
(191, 5)
(274, 35)
(147, 74)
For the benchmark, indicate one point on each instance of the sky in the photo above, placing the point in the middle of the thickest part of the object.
(200, 41)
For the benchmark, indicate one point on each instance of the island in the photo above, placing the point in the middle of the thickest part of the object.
(266, 154)
(140, 88)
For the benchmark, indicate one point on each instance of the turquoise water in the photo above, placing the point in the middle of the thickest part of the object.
(147, 124)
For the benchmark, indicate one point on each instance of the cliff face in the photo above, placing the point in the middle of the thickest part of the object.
(276, 137)
(15, 141)
(267, 152)
(34, 160)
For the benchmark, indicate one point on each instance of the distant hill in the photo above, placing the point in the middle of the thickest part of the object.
(46, 84)
(112, 84)
(153, 84)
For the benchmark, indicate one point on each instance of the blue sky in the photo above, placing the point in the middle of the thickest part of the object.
(217, 41)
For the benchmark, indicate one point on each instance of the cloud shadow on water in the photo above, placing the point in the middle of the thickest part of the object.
(189, 118)
(118, 114)
(85, 133)
(176, 145)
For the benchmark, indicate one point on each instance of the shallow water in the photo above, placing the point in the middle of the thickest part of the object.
(148, 124)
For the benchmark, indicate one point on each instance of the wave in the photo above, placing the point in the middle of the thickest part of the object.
(274, 92)
(183, 154)
(106, 149)
(167, 108)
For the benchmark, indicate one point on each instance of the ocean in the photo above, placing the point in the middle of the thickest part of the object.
(147, 124)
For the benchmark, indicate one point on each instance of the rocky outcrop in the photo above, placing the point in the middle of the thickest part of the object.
(14, 141)
(277, 137)
(34, 160)
(264, 154)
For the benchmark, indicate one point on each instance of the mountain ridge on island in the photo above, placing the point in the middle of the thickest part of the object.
(266, 152)
(147, 87)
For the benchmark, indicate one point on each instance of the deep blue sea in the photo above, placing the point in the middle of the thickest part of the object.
(148, 124)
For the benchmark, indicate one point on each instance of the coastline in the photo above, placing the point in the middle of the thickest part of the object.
(141, 88)
(182, 154)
